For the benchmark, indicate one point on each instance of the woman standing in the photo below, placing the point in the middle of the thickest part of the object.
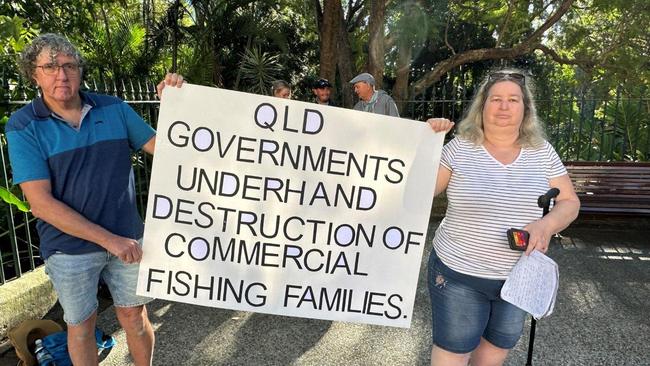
(493, 172)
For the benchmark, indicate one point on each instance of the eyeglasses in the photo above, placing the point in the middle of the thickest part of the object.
(53, 69)
(514, 76)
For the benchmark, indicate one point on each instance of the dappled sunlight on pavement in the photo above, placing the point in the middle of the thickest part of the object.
(600, 318)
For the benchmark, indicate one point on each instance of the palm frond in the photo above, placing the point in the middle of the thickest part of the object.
(258, 70)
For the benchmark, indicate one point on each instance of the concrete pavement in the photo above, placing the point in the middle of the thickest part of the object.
(601, 318)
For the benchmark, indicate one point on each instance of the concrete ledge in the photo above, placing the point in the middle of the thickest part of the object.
(28, 297)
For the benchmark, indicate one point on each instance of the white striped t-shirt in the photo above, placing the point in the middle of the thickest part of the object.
(485, 199)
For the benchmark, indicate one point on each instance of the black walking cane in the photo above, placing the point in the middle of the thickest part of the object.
(544, 201)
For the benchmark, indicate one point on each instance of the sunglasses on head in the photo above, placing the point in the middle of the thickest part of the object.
(514, 76)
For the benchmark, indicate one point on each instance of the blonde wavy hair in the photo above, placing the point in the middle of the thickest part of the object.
(531, 133)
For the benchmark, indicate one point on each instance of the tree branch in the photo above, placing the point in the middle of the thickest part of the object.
(355, 6)
(559, 13)
(505, 24)
(460, 59)
(526, 46)
(563, 60)
(453, 51)
(540, 11)
(390, 41)
(354, 19)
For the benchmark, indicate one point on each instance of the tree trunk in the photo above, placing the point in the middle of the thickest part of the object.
(376, 40)
(344, 60)
(318, 10)
(328, 39)
(111, 47)
(400, 89)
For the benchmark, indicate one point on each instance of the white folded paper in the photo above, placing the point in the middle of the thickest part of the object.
(532, 284)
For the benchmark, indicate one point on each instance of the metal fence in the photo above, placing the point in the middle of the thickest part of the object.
(18, 239)
(580, 128)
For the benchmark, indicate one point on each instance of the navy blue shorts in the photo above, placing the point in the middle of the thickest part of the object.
(465, 308)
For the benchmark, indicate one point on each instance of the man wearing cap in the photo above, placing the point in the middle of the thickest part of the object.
(371, 100)
(322, 91)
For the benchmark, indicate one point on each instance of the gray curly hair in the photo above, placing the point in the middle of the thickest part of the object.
(54, 43)
(531, 133)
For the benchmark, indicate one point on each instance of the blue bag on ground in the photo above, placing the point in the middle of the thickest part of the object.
(57, 345)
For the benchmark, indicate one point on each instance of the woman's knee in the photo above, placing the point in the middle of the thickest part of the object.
(488, 354)
(442, 357)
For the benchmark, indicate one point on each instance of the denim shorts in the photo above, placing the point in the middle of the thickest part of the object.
(465, 308)
(76, 280)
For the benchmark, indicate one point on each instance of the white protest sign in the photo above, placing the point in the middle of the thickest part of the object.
(284, 207)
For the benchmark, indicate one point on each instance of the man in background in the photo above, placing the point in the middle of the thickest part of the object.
(371, 100)
(322, 90)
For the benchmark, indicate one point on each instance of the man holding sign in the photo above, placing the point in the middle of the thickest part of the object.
(70, 153)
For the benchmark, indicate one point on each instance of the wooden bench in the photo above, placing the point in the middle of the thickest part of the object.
(611, 188)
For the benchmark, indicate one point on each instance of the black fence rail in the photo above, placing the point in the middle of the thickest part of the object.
(581, 128)
(18, 239)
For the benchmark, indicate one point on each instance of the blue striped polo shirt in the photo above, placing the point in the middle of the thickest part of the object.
(89, 168)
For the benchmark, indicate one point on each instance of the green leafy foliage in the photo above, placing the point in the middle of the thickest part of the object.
(601, 50)
(14, 34)
(117, 51)
(258, 70)
(11, 199)
(609, 38)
